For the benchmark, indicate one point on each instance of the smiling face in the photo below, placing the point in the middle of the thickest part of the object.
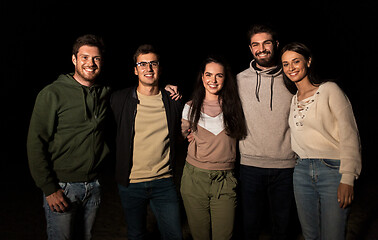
(148, 74)
(263, 49)
(88, 62)
(213, 79)
(295, 66)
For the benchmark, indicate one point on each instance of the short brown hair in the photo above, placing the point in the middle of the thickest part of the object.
(90, 40)
(261, 28)
(145, 49)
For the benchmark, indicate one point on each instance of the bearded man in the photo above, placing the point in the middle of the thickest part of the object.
(66, 143)
(267, 161)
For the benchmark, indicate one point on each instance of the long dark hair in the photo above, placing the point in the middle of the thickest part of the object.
(233, 115)
(303, 50)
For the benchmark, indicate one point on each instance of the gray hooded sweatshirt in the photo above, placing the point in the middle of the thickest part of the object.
(266, 104)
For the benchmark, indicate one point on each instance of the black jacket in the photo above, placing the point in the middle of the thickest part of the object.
(124, 106)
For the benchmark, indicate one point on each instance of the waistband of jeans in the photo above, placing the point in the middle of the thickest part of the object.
(319, 159)
(84, 182)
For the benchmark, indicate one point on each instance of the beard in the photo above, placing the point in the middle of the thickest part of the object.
(88, 77)
(266, 62)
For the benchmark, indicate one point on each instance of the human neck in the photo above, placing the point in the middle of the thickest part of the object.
(264, 68)
(148, 90)
(305, 88)
(82, 81)
(211, 97)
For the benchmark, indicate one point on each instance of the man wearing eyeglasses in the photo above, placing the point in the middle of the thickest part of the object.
(148, 124)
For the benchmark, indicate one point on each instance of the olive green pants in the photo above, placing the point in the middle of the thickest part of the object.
(210, 200)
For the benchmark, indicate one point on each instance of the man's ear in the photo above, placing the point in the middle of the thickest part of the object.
(277, 43)
(135, 71)
(74, 59)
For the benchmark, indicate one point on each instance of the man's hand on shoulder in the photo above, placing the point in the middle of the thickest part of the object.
(174, 93)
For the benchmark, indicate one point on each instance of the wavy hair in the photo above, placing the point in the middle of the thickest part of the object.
(233, 115)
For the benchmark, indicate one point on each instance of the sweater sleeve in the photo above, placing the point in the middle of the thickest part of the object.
(350, 148)
(185, 124)
(41, 130)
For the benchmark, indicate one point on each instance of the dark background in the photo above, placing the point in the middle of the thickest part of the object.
(39, 36)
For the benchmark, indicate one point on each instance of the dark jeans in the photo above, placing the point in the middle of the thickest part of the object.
(260, 185)
(162, 196)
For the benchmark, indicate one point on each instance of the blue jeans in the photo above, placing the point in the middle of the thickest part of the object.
(315, 187)
(162, 196)
(261, 185)
(76, 223)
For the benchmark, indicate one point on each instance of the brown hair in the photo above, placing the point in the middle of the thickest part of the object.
(90, 40)
(145, 49)
(261, 28)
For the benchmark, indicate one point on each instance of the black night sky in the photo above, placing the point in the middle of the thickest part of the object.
(39, 36)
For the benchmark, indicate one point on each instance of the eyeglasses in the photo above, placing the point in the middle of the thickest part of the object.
(153, 64)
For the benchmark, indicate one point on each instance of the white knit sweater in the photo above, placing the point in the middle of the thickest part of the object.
(327, 129)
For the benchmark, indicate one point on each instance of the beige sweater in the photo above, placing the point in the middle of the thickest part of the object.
(212, 148)
(266, 105)
(151, 141)
(327, 129)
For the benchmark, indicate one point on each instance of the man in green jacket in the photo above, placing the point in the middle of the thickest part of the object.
(66, 143)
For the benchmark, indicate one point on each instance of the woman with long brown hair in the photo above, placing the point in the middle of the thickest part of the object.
(325, 137)
(213, 121)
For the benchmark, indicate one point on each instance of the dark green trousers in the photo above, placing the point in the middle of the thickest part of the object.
(210, 200)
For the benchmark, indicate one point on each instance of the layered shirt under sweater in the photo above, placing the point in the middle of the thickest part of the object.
(211, 148)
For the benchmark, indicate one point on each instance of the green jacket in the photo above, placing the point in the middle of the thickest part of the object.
(66, 140)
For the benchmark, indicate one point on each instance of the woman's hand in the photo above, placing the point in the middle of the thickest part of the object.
(345, 195)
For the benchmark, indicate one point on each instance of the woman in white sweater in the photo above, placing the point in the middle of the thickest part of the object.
(325, 137)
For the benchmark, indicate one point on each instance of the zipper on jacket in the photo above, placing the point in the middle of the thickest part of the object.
(133, 128)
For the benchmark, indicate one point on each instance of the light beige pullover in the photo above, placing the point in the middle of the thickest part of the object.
(266, 105)
(326, 129)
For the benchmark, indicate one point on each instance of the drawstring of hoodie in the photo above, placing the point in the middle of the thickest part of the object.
(258, 86)
(85, 105)
(271, 93)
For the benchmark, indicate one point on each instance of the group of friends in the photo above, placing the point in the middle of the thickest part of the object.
(295, 132)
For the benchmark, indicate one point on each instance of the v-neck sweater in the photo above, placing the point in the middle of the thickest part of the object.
(211, 148)
(326, 129)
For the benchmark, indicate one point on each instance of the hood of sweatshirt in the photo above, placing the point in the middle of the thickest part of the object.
(68, 80)
(271, 73)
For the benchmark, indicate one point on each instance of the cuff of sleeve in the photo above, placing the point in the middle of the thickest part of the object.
(50, 189)
(347, 179)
